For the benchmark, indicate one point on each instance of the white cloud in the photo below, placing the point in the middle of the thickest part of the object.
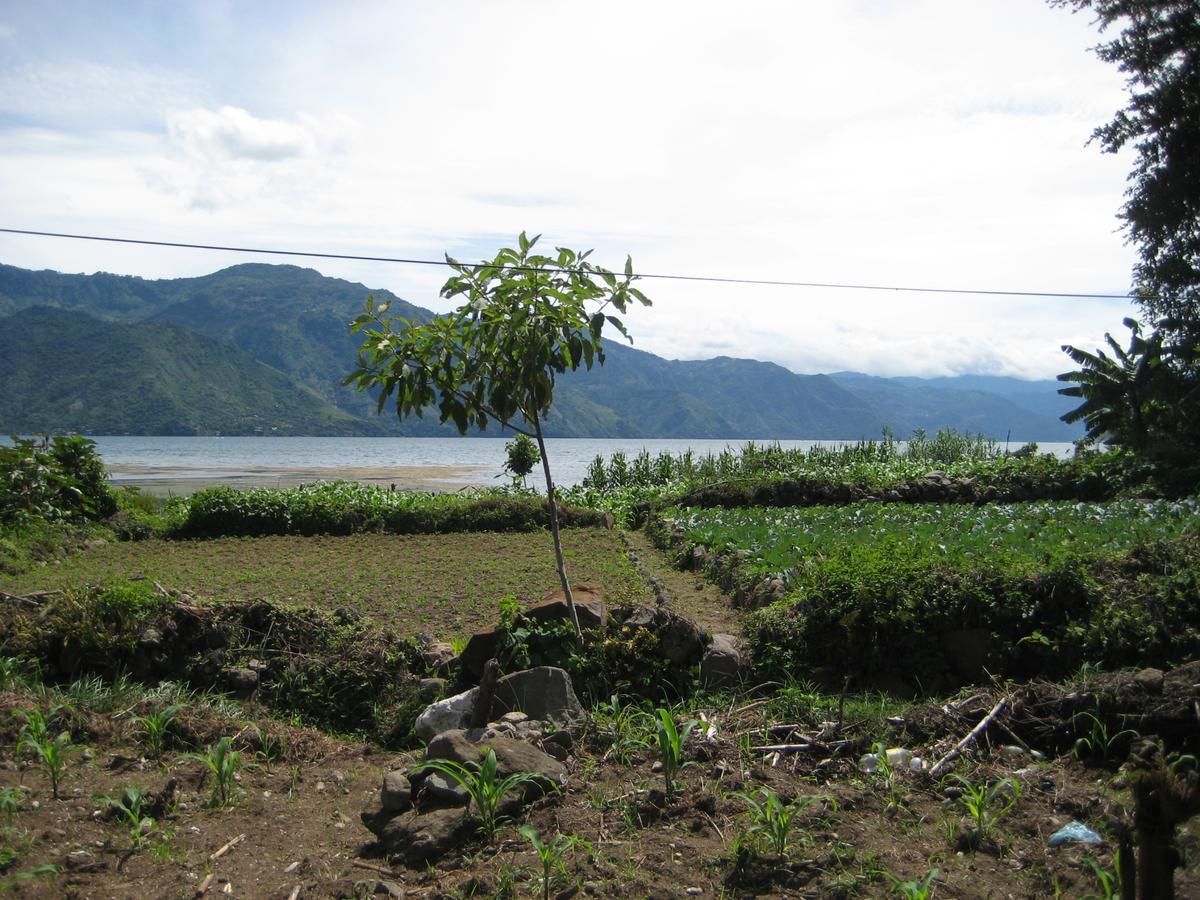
(927, 142)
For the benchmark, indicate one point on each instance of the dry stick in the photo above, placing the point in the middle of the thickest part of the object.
(295, 894)
(969, 739)
(208, 879)
(482, 712)
(223, 850)
(380, 869)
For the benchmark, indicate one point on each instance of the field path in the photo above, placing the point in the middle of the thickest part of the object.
(689, 593)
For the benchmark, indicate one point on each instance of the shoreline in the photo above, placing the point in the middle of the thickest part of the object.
(174, 481)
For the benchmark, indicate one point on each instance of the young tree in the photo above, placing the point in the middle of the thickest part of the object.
(526, 318)
(521, 456)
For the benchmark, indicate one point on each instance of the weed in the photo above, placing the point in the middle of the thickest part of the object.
(48, 871)
(986, 804)
(17, 672)
(670, 746)
(130, 808)
(551, 854)
(486, 789)
(223, 762)
(270, 748)
(773, 821)
(155, 728)
(97, 695)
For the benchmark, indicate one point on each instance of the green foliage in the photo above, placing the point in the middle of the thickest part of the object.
(1110, 883)
(484, 786)
(130, 809)
(623, 728)
(53, 478)
(11, 801)
(773, 822)
(878, 583)
(521, 455)
(222, 762)
(155, 728)
(671, 740)
(52, 752)
(552, 854)
(910, 889)
(344, 507)
(986, 805)
(47, 871)
(1097, 744)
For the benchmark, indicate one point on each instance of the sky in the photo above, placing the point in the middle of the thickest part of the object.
(928, 143)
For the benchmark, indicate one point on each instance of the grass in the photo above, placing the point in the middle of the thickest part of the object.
(447, 584)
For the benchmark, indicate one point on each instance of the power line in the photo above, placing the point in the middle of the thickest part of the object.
(705, 278)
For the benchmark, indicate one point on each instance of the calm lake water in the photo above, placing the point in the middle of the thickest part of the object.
(482, 458)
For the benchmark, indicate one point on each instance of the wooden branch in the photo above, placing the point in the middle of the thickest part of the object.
(225, 849)
(378, 869)
(969, 739)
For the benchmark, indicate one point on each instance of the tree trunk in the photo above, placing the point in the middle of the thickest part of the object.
(558, 554)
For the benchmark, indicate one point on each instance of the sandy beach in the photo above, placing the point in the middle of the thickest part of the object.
(179, 481)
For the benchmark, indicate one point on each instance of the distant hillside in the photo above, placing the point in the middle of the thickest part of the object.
(263, 348)
(69, 372)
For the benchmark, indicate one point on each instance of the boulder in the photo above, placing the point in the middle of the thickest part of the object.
(241, 682)
(512, 756)
(396, 794)
(681, 640)
(442, 790)
(480, 648)
(444, 715)
(724, 662)
(437, 654)
(543, 693)
(588, 606)
(419, 836)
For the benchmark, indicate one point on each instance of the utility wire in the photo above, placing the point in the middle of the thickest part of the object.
(706, 278)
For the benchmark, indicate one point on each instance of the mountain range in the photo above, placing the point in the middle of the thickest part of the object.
(262, 349)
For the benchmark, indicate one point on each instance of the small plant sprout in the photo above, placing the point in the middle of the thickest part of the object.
(484, 785)
(154, 728)
(1109, 883)
(1098, 743)
(773, 821)
(52, 753)
(270, 748)
(985, 805)
(670, 746)
(130, 808)
(223, 763)
(11, 801)
(624, 727)
(913, 889)
(551, 854)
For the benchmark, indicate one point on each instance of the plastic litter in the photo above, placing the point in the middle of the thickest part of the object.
(869, 763)
(1074, 832)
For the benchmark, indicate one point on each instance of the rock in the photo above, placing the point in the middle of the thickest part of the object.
(442, 790)
(444, 715)
(543, 693)
(437, 654)
(431, 689)
(418, 836)
(589, 607)
(1150, 680)
(724, 662)
(480, 648)
(239, 680)
(396, 794)
(82, 861)
(680, 639)
(511, 756)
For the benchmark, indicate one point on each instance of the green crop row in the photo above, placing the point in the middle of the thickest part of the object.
(344, 507)
(940, 593)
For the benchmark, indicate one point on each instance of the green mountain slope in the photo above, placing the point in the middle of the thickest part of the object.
(69, 372)
(293, 322)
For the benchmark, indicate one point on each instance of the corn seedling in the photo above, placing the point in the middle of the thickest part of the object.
(551, 854)
(11, 800)
(624, 727)
(270, 749)
(223, 762)
(670, 746)
(482, 782)
(130, 808)
(985, 805)
(913, 890)
(52, 753)
(1109, 882)
(1098, 743)
(154, 728)
(49, 871)
(773, 821)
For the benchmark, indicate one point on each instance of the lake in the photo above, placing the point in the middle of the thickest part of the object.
(180, 465)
